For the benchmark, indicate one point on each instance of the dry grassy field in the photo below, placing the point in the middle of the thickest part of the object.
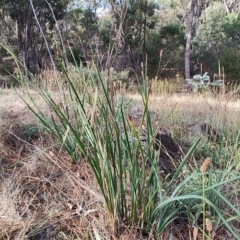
(43, 195)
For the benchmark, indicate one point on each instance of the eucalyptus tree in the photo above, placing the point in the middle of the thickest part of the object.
(196, 11)
(134, 19)
(33, 19)
(189, 38)
(140, 19)
(188, 13)
(218, 38)
(82, 22)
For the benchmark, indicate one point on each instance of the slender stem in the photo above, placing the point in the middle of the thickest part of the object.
(48, 49)
(203, 204)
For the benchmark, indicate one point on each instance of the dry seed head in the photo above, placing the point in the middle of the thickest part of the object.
(195, 233)
(161, 52)
(205, 164)
(130, 118)
(144, 127)
(209, 225)
(150, 88)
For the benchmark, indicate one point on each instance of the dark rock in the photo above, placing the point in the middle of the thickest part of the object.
(168, 150)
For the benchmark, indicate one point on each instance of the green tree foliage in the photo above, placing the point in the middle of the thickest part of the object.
(207, 41)
(107, 24)
(133, 24)
(29, 30)
(170, 40)
(231, 6)
(231, 31)
(218, 38)
(20, 8)
(72, 19)
(230, 60)
(140, 18)
(83, 22)
(89, 22)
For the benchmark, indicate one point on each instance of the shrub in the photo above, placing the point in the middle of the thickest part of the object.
(75, 56)
(230, 60)
(170, 40)
(203, 83)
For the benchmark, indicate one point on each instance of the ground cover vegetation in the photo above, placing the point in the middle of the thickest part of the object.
(99, 138)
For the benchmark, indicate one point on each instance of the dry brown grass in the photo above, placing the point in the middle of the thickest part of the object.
(179, 113)
(45, 196)
(196, 106)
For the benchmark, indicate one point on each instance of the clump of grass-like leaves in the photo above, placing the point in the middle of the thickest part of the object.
(93, 125)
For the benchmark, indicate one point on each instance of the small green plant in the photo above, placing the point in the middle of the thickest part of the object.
(75, 56)
(202, 82)
(29, 131)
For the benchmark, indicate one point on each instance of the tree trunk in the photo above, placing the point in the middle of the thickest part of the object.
(20, 40)
(197, 13)
(189, 38)
(226, 7)
(26, 46)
